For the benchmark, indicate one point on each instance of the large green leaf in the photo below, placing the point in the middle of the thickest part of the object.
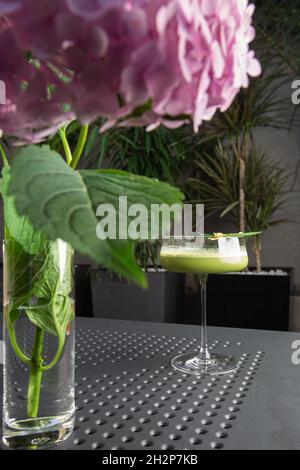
(18, 226)
(105, 187)
(62, 203)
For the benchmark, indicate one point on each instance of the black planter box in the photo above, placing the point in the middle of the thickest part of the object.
(83, 291)
(256, 301)
(117, 298)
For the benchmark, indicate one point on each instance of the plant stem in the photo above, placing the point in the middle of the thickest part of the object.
(61, 342)
(15, 346)
(68, 153)
(241, 148)
(35, 375)
(2, 152)
(256, 248)
(242, 167)
(80, 146)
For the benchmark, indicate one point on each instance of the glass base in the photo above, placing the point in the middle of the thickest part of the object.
(39, 433)
(218, 364)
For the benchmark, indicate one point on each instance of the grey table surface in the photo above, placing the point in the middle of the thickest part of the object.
(129, 397)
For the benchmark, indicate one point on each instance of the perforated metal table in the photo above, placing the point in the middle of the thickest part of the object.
(129, 397)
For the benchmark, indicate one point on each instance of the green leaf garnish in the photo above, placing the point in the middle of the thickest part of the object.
(215, 236)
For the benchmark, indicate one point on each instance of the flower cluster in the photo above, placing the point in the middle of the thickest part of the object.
(142, 62)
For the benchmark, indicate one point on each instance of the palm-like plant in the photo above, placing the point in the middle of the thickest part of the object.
(161, 153)
(266, 187)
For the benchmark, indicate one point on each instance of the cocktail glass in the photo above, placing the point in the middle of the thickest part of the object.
(204, 255)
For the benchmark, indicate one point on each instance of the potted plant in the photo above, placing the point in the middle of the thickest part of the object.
(258, 298)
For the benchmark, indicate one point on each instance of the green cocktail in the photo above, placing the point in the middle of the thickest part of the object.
(203, 261)
(205, 255)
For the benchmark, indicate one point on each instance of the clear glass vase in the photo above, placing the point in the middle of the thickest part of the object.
(38, 313)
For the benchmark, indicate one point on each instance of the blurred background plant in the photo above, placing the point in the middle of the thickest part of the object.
(160, 154)
(266, 186)
(278, 31)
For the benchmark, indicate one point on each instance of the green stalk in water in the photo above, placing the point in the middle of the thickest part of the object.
(35, 375)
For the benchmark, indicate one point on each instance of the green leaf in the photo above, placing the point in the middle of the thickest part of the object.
(18, 278)
(48, 280)
(18, 226)
(62, 203)
(37, 286)
(105, 186)
(229, 208)
(54, 316)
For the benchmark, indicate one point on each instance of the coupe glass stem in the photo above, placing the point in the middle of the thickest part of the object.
(204, 355)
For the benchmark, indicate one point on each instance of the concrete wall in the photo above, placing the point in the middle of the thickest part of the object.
(281, 245)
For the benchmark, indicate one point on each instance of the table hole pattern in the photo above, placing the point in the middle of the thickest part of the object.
(94, 347)
(156, 407)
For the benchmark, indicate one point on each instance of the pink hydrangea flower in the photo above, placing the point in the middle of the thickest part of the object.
(30, 114)
(134, 62)
(201, 62)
